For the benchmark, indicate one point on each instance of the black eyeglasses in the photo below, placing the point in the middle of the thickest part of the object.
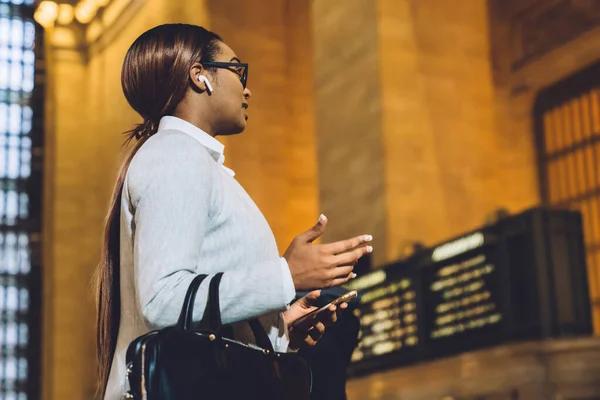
(236, 67)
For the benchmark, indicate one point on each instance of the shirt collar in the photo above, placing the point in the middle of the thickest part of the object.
(214, 147)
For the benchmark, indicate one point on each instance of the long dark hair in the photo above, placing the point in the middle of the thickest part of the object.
(155, 78)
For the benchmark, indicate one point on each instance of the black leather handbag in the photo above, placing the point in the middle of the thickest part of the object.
(178, 363)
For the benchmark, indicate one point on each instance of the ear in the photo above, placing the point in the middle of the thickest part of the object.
(195, 72)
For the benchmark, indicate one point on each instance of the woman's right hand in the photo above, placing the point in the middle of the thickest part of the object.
(324, 265)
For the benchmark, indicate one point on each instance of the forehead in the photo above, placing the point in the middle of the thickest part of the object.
(226, 53)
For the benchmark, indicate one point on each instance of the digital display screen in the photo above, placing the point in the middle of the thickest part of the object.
(444, 301)
(388, 318)
(483, 288)
(461, 299)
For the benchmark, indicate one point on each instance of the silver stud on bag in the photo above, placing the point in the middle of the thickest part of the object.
(211, 337)
(129, 369)
(128, 395)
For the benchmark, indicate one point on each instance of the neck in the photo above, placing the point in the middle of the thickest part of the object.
(196, 118)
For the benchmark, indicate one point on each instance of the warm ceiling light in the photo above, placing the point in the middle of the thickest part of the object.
(65, 14)
(85, 11)
(46, 13)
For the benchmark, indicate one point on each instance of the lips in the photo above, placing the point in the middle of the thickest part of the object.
(245, 106)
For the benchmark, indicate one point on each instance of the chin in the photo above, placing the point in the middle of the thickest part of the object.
(232, 125)
(233, 130)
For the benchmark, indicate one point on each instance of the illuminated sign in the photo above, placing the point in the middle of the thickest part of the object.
(457, 247)
(478, 290)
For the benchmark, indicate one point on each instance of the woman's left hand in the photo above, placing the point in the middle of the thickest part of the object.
(308, 335)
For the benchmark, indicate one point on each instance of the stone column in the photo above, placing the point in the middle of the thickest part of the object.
(348, 99)
(408, 149)
(68, 307)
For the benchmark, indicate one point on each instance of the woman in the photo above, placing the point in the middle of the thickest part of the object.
(177, 211)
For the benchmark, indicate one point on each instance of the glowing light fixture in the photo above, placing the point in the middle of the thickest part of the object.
(85, 11)
(65, 14)
(46, 13)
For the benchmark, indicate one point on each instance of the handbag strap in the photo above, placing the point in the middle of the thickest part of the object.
(213, 306)
(212, 314)
(187, 310)
(260, 336)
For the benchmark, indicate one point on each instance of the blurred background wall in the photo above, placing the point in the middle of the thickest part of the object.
(412, 120)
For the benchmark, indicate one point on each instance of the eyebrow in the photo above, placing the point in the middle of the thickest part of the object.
(236, 59)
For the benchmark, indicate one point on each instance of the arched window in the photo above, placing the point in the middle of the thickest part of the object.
(21, 144)
(567, 118)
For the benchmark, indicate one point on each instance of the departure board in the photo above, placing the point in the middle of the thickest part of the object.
(388, 318)
(387, 310)
(483, 288)
(463, 302)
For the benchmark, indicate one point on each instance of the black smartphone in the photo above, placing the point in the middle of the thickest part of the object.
(346, 297)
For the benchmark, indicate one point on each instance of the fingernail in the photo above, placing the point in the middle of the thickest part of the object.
(369, 249)
(353, 275)
(367, 238)
(322, 218)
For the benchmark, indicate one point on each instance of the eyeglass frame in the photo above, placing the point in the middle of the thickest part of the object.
(229, 65)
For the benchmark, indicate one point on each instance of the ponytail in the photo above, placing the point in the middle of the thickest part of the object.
(107, 275)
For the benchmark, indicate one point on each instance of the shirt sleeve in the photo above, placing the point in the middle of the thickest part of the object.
(171, 185)
(289, 289)
(283, 339)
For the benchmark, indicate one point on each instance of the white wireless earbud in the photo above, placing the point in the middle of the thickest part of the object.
(204, 79)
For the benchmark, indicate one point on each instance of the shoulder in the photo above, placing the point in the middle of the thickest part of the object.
(172, 160)
(170, 146)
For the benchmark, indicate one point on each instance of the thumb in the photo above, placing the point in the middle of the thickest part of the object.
(310, 298)
(316, 231)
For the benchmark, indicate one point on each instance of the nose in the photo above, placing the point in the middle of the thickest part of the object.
(247, 93)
